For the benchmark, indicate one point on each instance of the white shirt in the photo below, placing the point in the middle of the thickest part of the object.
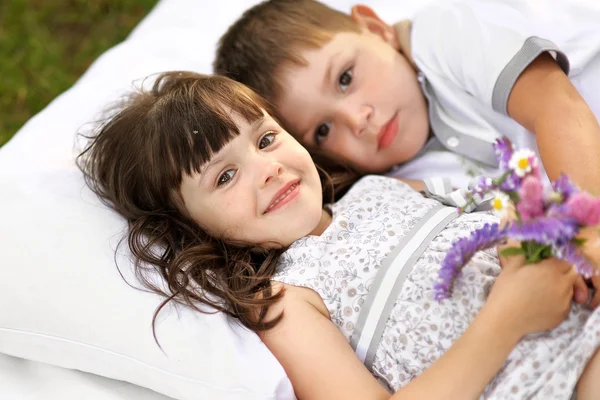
(470, 54)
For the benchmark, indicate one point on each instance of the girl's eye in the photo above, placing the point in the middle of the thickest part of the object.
(322, 131)
(345, 79)
(266, 140)
(225, 177)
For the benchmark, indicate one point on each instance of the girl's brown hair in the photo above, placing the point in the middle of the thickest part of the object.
(135, 161)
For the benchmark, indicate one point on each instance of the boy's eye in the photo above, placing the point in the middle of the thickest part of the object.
(322, 131)
(345, 79)
(266, 140)
(225, 177)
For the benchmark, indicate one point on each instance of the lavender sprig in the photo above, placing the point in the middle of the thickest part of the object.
(544, 230)
(461, 253)
(570, 253)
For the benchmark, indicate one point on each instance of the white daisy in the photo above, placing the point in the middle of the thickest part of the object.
(522, 161)
(500, 204)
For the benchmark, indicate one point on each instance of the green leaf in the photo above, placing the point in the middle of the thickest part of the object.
(536, 252)
(513, 196)
(546, 253)
(512, 251)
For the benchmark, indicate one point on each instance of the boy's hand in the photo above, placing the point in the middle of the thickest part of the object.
(591, 250)
(595, 301)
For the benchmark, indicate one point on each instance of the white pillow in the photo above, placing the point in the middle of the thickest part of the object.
(62, 300)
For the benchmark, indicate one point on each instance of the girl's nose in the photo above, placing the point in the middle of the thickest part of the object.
(273, 169)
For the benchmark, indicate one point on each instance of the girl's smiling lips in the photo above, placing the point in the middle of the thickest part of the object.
(286, 194)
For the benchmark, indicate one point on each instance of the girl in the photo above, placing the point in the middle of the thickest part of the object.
(229, 209)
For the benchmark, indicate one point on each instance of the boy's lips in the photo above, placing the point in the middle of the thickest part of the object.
(284, 195)
(388, 133)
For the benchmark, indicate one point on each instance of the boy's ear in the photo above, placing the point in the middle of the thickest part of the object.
(367, 20)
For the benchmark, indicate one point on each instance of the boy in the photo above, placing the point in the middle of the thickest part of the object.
(466, 71)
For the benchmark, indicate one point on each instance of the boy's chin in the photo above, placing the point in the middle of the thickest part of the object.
(379, 166)
(379, 170)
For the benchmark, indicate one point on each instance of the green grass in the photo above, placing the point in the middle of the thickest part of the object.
(45, 45)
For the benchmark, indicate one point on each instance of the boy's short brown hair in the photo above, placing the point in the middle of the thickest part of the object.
(271, 34)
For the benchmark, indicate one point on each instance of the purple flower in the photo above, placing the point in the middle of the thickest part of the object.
(544, 230)
(536, 170)
(564, 186)
(531, 203)
(504, 150)
(461, 252)
(511, 183)
(584, 208)
(483, 185)
(545, 222)
(569, 253)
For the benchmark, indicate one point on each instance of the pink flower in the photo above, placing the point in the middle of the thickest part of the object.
(531, 202)
(535, 167)
(585, 208)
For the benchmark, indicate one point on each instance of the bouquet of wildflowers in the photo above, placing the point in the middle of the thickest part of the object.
(546, 221)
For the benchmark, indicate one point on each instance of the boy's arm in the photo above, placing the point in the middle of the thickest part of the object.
(545, 102)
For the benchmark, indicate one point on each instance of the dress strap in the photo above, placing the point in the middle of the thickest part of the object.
(389, 280)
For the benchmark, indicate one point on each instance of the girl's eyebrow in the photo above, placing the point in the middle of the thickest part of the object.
(219, 159)
(209, 165)
(214, 161)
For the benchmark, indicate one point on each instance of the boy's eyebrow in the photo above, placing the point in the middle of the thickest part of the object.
(307, 136)
(329, 70)
(258, 123)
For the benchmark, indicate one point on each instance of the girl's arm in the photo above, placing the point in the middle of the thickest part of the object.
(322, 365)
(469, 365)
(316, 357)
(546, 103)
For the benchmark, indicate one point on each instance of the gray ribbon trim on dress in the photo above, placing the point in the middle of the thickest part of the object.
(389, 280)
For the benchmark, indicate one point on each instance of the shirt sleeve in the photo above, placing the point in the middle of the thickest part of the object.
(484, 46)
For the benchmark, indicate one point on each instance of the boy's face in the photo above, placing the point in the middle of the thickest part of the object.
(359, 98)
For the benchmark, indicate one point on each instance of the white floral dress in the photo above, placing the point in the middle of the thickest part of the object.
(342, 263)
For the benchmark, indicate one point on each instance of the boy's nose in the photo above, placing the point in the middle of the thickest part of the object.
(358, 121)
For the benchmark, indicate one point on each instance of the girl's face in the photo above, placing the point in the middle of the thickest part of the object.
(262, 188)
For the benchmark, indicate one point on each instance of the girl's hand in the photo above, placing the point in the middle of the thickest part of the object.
(581, 291)
(533, 297)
